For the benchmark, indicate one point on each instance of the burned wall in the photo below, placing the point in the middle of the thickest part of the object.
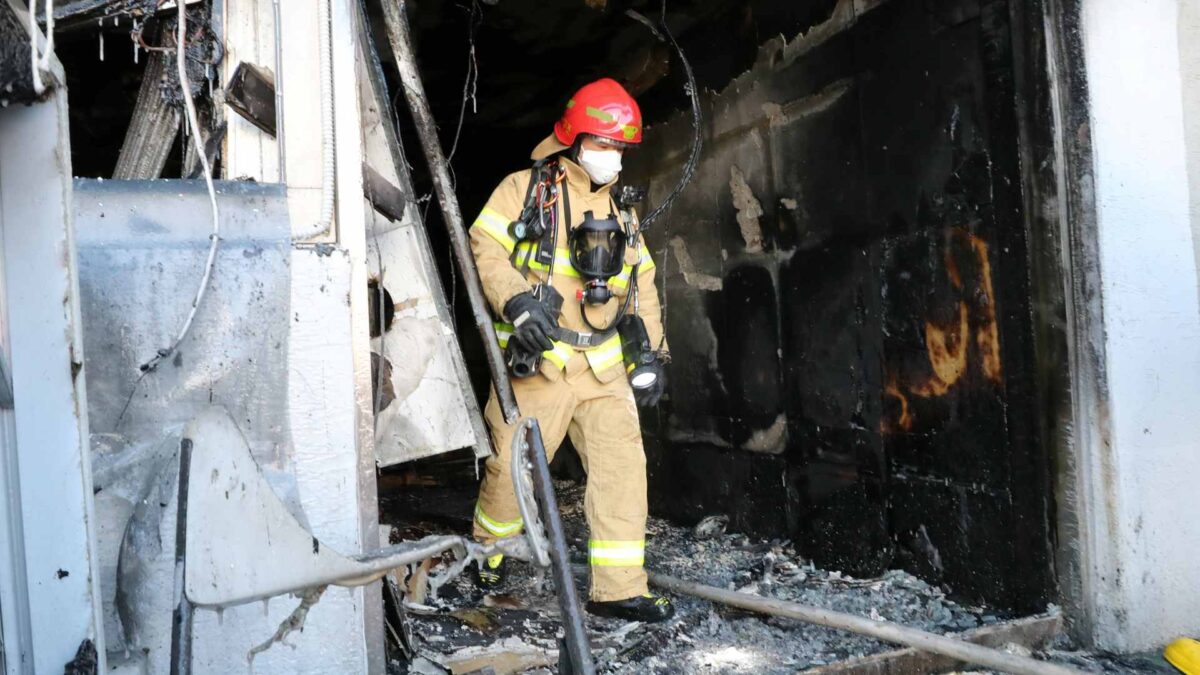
(848, 303)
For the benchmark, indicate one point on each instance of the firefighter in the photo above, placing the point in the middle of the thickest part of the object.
(567, 277)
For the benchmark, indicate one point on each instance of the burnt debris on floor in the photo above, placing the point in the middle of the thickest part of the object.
(460, 629)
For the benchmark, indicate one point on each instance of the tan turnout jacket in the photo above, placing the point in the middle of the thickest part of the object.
(493, 248)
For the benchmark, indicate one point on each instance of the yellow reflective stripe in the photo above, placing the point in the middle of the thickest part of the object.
(500, 529)
(607, 354)
(645, 264)
(496, 226)
(603, 553)
(599, 114)
(559, 355)
(622, 279)
(562, 261)
(504, 332)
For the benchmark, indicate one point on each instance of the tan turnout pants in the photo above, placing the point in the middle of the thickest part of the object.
(602, 420)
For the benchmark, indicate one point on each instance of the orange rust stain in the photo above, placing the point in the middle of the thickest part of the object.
(905, 421)
(988, 336)
(947, 348)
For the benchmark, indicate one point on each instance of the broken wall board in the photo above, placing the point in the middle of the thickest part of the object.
(271, 342)
(435, 408)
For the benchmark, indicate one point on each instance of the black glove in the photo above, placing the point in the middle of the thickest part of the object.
(533, 324)
(649, 396)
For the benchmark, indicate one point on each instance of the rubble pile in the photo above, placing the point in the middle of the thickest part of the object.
(518, 627)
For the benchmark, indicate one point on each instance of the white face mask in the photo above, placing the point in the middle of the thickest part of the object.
(601, 165)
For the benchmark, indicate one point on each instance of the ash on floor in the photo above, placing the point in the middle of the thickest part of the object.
(517, 627)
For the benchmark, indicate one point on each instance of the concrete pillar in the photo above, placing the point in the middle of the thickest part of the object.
(51, 603)
(1141, 513)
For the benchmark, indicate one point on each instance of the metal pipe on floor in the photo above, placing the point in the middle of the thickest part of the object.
(181, 617)
(396, 21)
(880, 630)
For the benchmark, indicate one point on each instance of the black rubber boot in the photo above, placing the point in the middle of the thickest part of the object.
(490, 573)
(647, 608)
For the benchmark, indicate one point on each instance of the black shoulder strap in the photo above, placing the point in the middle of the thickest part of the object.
(566, 211)
(528, 211)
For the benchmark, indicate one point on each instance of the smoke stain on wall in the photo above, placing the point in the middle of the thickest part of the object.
(857, 308)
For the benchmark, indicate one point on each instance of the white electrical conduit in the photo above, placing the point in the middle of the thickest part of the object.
(214, 238)
(327, 138)
(279, 94)
(39, 63)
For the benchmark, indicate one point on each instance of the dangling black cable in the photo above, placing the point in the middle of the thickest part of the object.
(689, 168)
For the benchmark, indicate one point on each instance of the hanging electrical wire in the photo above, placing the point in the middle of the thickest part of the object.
(689, 167)
(693, 161)
(40, 63)
(215, 237)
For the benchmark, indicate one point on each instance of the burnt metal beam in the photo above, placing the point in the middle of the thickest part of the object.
(887, 631)
(1031, 632)
(152, 129)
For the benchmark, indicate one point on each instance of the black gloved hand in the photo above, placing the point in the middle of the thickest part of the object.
(649, 396)
(533, 324)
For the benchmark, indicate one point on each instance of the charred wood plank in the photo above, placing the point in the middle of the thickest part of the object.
(213, 138)
(152, 129)
(251, 94)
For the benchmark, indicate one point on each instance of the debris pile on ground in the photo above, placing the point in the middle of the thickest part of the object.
(518, 626)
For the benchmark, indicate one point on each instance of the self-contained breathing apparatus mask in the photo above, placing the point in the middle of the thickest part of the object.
(597, 250)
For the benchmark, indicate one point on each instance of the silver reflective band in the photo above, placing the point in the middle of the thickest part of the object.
(521, 319)
(643, 379)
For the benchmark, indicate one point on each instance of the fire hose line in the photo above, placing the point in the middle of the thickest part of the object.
(881, 630)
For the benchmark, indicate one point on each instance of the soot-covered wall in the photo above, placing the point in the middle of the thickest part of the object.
(849, 307)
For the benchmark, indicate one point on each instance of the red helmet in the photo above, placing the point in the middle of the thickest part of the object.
(602, 108)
